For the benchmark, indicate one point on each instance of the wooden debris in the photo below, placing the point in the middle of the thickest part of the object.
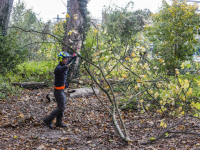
(29, 85)
(75, 93)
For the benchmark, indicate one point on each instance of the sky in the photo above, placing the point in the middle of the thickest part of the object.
(49, 9)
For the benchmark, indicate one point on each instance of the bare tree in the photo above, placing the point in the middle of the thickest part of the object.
(5, 10)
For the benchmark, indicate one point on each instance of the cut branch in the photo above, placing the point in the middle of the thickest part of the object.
(115, 108)
(168, 131)
(183, 132)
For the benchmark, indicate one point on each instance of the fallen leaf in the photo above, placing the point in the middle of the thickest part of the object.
(41, 147)
(89, 142)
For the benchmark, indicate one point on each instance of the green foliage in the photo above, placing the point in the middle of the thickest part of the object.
(23, 17)
(6, 88)
(59, 29)
(140, 82)
(26, 72)
(124, 22)
(173, 33)
(24, 20)
(33, 71)
(10, 53)
(90, 43)
(116, 37)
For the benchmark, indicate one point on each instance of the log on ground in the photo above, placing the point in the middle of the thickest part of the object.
(29, 85)
(75, 93)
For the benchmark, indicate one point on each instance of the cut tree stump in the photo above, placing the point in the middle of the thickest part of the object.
(75, 93)
(29, 85)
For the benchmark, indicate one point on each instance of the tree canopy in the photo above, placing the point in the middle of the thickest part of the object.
(173, 32)
(124, 23)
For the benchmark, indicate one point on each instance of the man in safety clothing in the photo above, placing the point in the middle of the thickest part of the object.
(60, 84)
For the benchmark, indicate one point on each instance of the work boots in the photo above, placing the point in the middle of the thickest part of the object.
(61, 125)
(48, 123)
(59, 121)
(49, 119)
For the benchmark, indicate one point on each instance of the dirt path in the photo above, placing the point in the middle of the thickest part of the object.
(90, 127)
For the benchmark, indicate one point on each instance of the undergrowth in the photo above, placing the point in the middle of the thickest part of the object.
(26, 72)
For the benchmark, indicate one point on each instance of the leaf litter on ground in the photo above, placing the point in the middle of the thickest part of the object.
(90, 126)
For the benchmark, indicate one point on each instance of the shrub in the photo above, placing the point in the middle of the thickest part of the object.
(33, 71)
(10, 53)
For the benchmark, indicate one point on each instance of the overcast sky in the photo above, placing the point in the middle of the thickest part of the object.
(49, 9)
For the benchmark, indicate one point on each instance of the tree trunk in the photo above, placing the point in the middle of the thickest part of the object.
(74, 31)
(5, 10)
(73, 35)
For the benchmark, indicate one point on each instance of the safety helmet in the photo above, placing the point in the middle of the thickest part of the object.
(62, 55)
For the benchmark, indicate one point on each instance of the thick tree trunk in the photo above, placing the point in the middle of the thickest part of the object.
(73, 35)
(74, 31)
(5, 10)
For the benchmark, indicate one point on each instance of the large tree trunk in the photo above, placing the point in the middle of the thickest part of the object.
(5, 10)
(74, 31)
(73, 35)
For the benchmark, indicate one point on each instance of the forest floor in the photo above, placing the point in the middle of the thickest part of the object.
(90, 127)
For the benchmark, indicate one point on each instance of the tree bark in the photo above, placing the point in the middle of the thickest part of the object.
(5, 11)
(73, 35)
(74, 31)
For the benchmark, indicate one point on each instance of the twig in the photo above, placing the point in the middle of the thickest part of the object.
(100, 100)
(163, 133)
(194, 116)
(64, 3)
(124, 136)
(184, 132)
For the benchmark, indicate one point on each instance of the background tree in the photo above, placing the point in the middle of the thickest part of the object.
(77, 26)
(27, 19)
(10, 52)
(124, 23)
(173, 33)
(17, 46)
(121, 27)
(111, 58)
(5, 10)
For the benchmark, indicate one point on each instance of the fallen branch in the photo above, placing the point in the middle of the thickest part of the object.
(183, 132)
(168, 131)
(29, 85)
(74, 93)
(101, 101)
(124, 136)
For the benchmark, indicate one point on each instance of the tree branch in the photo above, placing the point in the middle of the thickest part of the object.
(166, 131)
